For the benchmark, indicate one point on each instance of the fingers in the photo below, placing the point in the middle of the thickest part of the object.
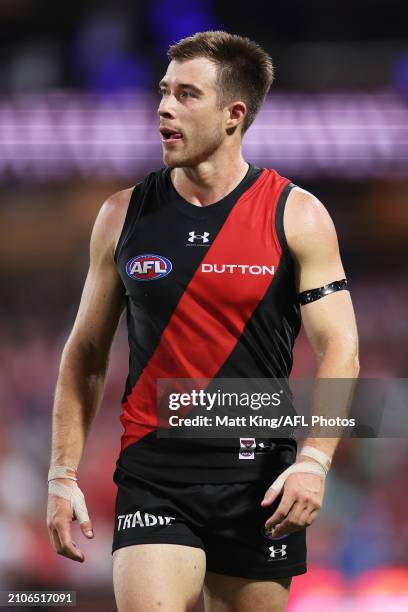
(59, 517)
(269, 498)
(62, 543)
(79, 506)
(87, 529)
(311, 517)
(298, 518)
(281, 511)
(306, 517)
(275, 489)
(299, 506)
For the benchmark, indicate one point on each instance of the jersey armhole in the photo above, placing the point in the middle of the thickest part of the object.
(279, 227)
(128, 221)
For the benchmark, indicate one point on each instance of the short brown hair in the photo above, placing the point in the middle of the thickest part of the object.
(245, 70)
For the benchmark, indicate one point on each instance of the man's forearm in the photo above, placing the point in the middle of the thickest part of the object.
(78, 394)
(332, 397)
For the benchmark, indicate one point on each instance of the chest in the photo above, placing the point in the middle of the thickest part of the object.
(229, 258)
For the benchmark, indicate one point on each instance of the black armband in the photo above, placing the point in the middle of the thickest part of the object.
(315, 294)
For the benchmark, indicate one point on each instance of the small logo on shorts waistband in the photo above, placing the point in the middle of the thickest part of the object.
(247, 447)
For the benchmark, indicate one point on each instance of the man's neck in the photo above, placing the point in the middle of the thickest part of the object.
(208, 182)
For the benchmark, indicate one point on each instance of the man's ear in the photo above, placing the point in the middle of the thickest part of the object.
(236, 114)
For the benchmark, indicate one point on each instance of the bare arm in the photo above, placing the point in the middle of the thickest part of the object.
(85, 357)
(329, 322)
(330, 326)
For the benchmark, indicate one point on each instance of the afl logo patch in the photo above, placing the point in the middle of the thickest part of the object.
(148, 267)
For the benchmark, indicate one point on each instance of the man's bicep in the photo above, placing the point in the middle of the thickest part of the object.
(101, 305)
(103, 296)
(313, 242)
(331, 319)
(312, 239)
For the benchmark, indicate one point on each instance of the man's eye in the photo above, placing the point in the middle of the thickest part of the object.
(187, 94)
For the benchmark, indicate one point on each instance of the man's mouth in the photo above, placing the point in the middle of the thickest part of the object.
(169, 135)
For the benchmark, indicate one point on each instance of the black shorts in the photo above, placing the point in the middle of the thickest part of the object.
(225, 520)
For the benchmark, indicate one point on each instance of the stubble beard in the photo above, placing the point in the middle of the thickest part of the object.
(200, 153)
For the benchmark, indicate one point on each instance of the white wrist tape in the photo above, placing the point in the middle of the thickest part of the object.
(74, 495)
(304, 466)
(62, 471)
(318, 455)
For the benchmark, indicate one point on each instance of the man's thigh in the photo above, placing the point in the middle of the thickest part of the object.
(165, 577)
(231, 594)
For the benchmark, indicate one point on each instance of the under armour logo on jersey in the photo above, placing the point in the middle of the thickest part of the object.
(277, 553)
(193, 236)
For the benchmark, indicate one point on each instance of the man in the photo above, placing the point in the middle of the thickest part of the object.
(212, 258)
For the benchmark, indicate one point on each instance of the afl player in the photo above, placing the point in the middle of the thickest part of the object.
(214, 261)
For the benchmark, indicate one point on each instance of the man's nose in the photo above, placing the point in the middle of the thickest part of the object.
(166, 107)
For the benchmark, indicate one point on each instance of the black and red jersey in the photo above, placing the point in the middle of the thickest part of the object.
(210, 294)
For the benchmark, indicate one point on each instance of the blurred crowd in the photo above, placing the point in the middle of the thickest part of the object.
(106, 46)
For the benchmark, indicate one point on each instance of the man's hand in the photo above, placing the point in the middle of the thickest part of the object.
(59, 517)
(300, 504)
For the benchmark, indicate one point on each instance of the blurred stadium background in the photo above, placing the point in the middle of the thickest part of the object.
(78, 122)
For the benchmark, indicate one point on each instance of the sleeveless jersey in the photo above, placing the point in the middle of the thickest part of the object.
(211, 294)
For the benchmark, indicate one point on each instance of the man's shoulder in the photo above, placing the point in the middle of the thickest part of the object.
(113, 212)
(307, 222)
(109, 222)
(118, 202)
(302, 202)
